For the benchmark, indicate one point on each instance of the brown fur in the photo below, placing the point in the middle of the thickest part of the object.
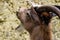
(37, 21)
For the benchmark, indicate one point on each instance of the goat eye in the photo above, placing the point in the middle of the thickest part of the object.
(28, 13)
(28, 16)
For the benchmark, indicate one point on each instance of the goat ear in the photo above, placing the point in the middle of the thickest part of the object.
(34, 14)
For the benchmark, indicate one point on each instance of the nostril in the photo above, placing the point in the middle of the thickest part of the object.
(16, 13)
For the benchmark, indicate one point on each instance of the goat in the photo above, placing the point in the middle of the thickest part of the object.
(36, 21)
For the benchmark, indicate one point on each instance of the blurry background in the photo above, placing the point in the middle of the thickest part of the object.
(9, 20)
